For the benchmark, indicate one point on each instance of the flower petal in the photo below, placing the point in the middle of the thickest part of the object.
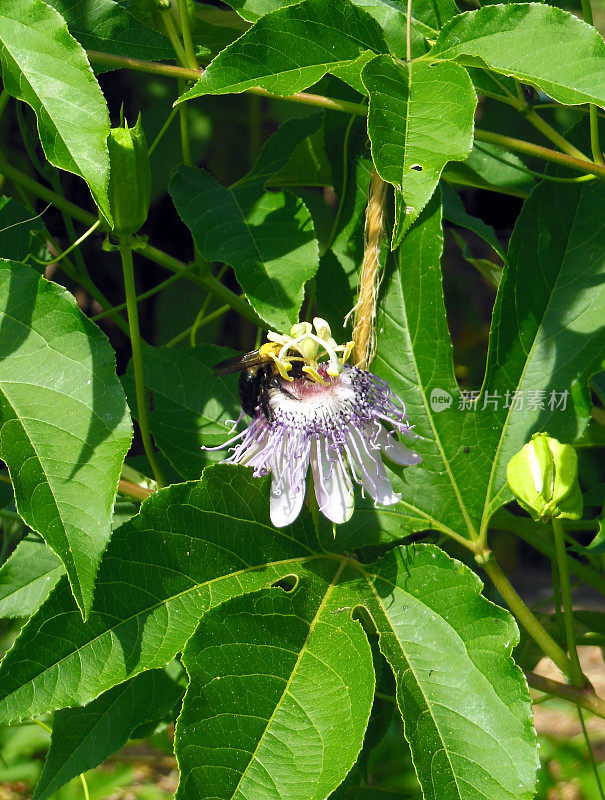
(288, 481)
(396, 451)
(333, 487)
(372, 474)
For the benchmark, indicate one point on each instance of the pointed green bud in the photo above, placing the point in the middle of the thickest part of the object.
(129, 178)
(543, 476)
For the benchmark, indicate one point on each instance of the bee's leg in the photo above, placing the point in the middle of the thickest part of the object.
(277, 385)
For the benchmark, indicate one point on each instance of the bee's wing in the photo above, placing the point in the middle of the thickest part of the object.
(238, 363)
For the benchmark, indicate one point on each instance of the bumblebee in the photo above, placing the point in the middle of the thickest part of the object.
(258, 375)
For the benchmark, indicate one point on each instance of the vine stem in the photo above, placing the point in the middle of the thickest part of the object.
(217, 314)
(140, 297)
(186, 31)
(133, 490)
(544, 153)
(162, 130)
(571, 156)
(578, 678)
(524, 614)
(524, 529)
(585, 698)
(125, 249)
(165, 260)
(184, 129)
(593, 111)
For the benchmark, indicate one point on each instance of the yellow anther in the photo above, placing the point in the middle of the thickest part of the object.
(314, 375)
(348, 349)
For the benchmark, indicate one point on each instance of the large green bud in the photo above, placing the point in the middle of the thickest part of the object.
(129, 178)
(543, 476)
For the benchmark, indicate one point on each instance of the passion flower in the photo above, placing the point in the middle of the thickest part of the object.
(337, 418)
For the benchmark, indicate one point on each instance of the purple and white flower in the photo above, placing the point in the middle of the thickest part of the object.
(338, 418)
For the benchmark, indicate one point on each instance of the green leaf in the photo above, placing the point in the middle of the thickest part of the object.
(191, 404)
(215, 28)
(545, 341)
(465, 705)
(428, 16)
(192, 546)
(308, 165)
(336, 279)
(64, 424)
(291, 48)
(280, 692)
(21, 231)
(27, 577)
(433, 13)
(455, 212)
(294, 695)
(547, 47)
(391, 16)
(267, 237)
(82, 738)
(489, 167)
(46, 68)
(409, 151)
(547, 333)
(108, 27)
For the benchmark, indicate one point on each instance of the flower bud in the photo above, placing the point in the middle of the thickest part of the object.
(543, 476)
(129, 179)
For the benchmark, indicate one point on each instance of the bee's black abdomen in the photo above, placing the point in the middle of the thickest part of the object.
(250, 386)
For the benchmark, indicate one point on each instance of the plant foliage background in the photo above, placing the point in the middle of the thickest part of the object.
(143, 591)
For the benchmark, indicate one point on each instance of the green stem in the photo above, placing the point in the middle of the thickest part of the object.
(525, 529)
(184, 128)
(152, 253)
(42, 725)
(73, 246)
(4, 99)
(586, 698)
(84, 783)
(544, 153)
(140, 297)
(200, 316)
(550, 133)
(455, 180)
(186, 31)
(11, 516)
(205, 321)
(172, 34)
(532, 172)
(591, 758)
(133, 490)
(556, 588)
(163, 130)
(137, 357)
(571, 156)
(595, 145)
(577, 676)
(207, 281)
(38, 190)
(523, 613)
(154, 68)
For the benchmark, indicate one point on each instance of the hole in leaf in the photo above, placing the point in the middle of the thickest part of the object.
(288, 583)
(416, 167)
